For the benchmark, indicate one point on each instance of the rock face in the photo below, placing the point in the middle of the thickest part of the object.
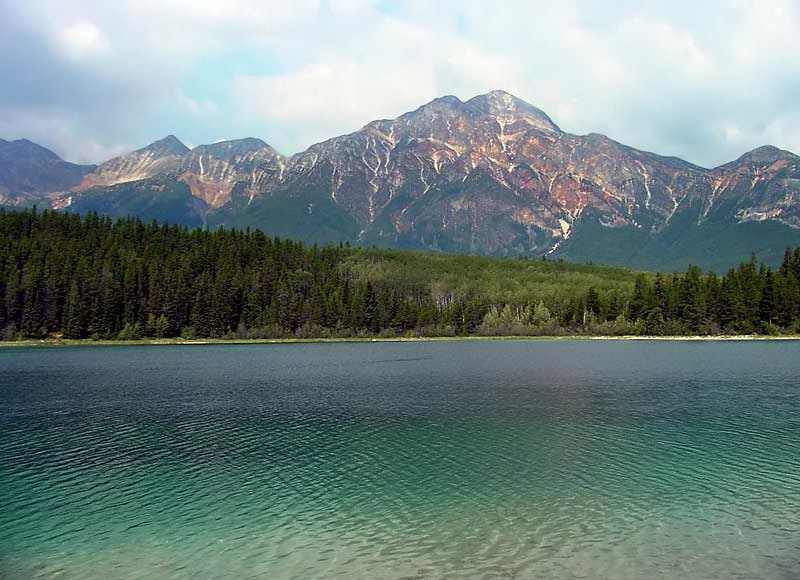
(211, 172)
(160, 158)
(167, 181)
(763, 184)
(492, 175)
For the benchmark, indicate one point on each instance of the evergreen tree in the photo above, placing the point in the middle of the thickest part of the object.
(93, 277)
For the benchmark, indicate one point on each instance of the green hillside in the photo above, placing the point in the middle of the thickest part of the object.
(715, 245)
(497, 280)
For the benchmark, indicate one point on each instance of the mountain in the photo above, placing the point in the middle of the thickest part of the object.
(493, 175)
(748, 206)
(31, 173)
(167, 181)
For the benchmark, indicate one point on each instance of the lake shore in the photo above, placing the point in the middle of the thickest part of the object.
(205, 341)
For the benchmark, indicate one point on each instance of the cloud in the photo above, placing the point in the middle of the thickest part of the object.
(83, 39)
(394, 67)
(704, 81)
(56, 127)
(323, 100)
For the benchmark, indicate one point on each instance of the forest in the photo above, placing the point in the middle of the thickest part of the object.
(89, 277)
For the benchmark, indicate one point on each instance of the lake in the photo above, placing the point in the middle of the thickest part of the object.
(467, 459)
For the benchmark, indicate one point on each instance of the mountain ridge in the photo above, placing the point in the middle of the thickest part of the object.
(491, 175)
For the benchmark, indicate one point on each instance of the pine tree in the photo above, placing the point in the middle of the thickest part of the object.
(768, 307)
(74, 325)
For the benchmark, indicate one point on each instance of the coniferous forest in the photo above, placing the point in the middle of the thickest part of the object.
(63, 275)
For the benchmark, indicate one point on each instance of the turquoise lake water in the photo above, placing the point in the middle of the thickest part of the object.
(479, 459)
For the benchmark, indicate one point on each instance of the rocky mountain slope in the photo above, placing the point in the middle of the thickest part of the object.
(492, 175)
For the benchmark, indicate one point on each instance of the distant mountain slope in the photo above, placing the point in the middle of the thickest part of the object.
(29, 172)
(493, 175)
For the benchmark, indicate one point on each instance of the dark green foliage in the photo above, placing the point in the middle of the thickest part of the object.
(310, 216)
(150, 199)
(91, 277)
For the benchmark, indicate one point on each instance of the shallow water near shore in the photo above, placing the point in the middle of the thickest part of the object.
(475, 459)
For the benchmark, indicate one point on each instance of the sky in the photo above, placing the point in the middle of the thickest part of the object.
(704, 80)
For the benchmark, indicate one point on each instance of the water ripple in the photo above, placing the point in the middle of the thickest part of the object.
(525, 467)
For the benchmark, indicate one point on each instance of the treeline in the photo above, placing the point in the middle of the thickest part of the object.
(750, 299)
(67, 276)
(91, 277)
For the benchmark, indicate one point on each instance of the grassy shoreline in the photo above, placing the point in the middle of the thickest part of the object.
(185, 342)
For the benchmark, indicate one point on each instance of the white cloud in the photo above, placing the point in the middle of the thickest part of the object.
(83, 39)
(197, 108)
(52, 129)
(668, 76)
(324, 100)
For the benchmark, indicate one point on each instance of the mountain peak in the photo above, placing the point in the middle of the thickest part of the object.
(169, 145)
(28, 148)
(447, 100)
(233, 147)
(441, 105)
(761, 156)
(500, 102)
(768, 152)
(28, 169)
